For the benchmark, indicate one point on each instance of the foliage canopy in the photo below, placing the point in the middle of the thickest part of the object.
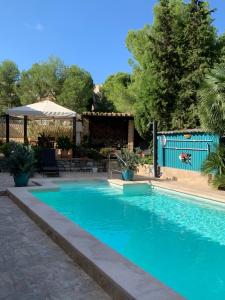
(212, 100)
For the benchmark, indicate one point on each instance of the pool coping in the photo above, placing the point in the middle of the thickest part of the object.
(119, 277)
(217, 199)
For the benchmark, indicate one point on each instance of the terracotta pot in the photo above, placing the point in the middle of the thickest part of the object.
(64, 153)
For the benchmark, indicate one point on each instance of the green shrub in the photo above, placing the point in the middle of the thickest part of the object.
(63, 142)
(37, 155)
(215, 166)
(8, 148)
(94, 154)
(21, 159)
(44, 140)
(128, 160)
(81, 151)
(105, 151)
(146, 160)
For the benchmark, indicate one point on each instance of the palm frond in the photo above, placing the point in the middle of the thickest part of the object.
(219, 181)
(212, 100)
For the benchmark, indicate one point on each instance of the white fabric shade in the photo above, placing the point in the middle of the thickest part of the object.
(43, 109)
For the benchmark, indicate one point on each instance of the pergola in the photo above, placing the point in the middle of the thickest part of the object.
(45, 109)
(110, 123)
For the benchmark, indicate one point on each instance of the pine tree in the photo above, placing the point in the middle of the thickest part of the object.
(9, 77)
(199, 52)
(166, 64)
(155, 81)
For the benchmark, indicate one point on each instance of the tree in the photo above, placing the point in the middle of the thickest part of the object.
(171, 58)
(157, 69)
(116, 90)
(199, 51)
(100, 101)
(42, 80)
(221, 43)
(77, 90)
(212, 101)
(69, 86)
(9, 76)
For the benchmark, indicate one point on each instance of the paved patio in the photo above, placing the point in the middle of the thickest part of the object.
(33, 267)
(7, 181)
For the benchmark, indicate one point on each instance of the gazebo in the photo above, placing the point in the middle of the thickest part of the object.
(45, 109)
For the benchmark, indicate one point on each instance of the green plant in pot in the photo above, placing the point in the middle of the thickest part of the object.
(128, 162)
(44, 141)
(7, 148)
(63, 143)
(21, 164)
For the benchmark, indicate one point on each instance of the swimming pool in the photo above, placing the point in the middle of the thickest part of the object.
(173, 237)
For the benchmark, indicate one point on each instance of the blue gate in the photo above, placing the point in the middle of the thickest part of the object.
(185, 149)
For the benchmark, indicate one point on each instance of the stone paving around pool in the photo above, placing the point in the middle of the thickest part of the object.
(33, 267)
(7, 181)
(192, 188)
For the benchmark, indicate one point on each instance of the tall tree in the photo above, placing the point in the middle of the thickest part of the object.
(157, 69)
(221, 43)
(69, 86)
(9, 76)
(77, 90)
(100, 102)
(41, 80)
(199, 51)
(116, 90)
(171, 58)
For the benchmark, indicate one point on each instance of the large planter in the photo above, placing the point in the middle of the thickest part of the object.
(64, 153)
(128, 175)
(21, 179)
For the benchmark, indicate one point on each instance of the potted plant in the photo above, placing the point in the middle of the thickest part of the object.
(106, 151)
(21, 164)
(7, 148)
(63, 143)
(44, 141)
(128, 161)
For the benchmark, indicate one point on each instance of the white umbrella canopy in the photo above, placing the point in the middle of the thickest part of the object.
(43, 109)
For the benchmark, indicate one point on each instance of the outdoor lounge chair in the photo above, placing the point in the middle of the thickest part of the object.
(48, 163)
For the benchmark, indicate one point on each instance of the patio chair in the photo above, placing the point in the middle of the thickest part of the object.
(48, 163)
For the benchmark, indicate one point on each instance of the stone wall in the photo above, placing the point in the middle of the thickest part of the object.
(81, 165)
(144, 170)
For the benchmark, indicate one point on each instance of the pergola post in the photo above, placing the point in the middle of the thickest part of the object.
(74, 132)
(130, 138)
(7, 128)
(25, 130)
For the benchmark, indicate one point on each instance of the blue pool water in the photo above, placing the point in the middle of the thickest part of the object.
(178, 240)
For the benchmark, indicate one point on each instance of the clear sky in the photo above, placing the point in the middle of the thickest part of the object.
(89, 33)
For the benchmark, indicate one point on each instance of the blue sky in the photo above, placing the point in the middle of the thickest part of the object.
(89, 33)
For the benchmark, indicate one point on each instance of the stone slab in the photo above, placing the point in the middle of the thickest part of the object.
(114, 273)
(33, 267)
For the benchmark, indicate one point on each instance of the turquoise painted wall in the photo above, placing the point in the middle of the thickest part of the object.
(171, 145)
